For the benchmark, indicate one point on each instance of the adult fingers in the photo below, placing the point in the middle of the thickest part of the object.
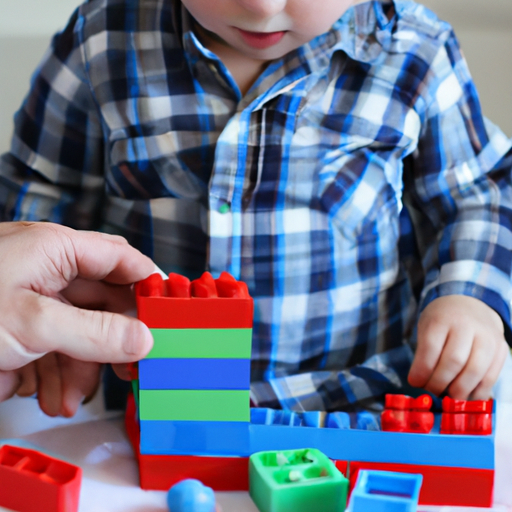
(123, 371)
(95, 336)
(9, 382)
(28, 377)
(100, 296)
(101, 256)
(49, 391)
(80, 380)
(49, 256)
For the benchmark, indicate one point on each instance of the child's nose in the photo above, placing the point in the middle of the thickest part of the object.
(266, 8)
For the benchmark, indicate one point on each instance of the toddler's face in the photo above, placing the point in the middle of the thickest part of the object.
(265, 29)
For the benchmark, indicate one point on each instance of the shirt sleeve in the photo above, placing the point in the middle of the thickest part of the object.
(54, 170)
(353, 389)
(458, 190)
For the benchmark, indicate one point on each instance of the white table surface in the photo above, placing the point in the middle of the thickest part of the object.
(96, 441)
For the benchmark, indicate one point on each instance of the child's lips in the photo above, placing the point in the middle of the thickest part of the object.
(261, 40)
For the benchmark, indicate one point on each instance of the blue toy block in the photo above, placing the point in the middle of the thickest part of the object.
(385, 491)
(194, 373)
(230, 438)
(338, 420)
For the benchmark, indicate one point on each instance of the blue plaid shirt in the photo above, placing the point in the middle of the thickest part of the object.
(355, 182)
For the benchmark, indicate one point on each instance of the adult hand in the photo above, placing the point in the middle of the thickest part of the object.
(48, 274)
(461, 348)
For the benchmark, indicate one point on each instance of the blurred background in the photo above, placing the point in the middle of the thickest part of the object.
(484, 28)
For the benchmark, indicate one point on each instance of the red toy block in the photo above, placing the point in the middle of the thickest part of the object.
(32, 481)
(222, 303)
(474, 406)
(472, 417)
(406, 414)
(160, 472)
(442, 485)
(407, 403)
(477, 424)
(407, 421)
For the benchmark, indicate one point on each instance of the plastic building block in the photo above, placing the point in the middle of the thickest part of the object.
(31, 480)
(190, 496)
(296, 480)
(405, 414)
(385, 491)
(217, 438)
(473, 417)
(195, 374)
(160, 307)
(477, 406)
(201, 343)
(450, 486)
(194, 405)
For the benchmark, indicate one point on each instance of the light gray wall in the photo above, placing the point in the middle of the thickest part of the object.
(483, 27)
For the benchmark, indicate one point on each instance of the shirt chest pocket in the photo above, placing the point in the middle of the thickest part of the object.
(163, 165)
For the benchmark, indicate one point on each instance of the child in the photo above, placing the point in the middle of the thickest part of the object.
(331, 156)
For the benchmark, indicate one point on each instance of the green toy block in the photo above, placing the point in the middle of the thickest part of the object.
(194, 405)
(201, 343)
(296, 480)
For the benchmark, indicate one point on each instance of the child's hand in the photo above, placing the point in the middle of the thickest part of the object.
(61, 383)
(461, 348)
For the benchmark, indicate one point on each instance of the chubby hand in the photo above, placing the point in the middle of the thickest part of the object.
(461, 348)
(60, 294)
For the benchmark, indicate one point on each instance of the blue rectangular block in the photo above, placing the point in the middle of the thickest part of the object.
(218, 438)
(194, 373)
(193, 437)
(385, 491)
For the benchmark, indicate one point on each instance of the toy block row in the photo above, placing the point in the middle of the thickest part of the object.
(405, 414)
(31, 480)
(452, 486)
(243, 439)
(177, 303)
(195, 374)
(201, 343)
(298, 480)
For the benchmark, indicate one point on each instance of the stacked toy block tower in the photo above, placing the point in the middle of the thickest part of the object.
(196, 379)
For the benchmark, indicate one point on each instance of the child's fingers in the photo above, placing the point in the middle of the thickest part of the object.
(49, 391)
(479, 360)
(484, 389)
(431, 339)
(454, 357)
(80, 380)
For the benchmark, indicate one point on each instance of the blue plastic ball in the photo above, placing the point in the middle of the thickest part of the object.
(190, 496)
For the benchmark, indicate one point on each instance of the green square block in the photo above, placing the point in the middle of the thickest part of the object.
(201, 343)
(303, 480)
(194, 405)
